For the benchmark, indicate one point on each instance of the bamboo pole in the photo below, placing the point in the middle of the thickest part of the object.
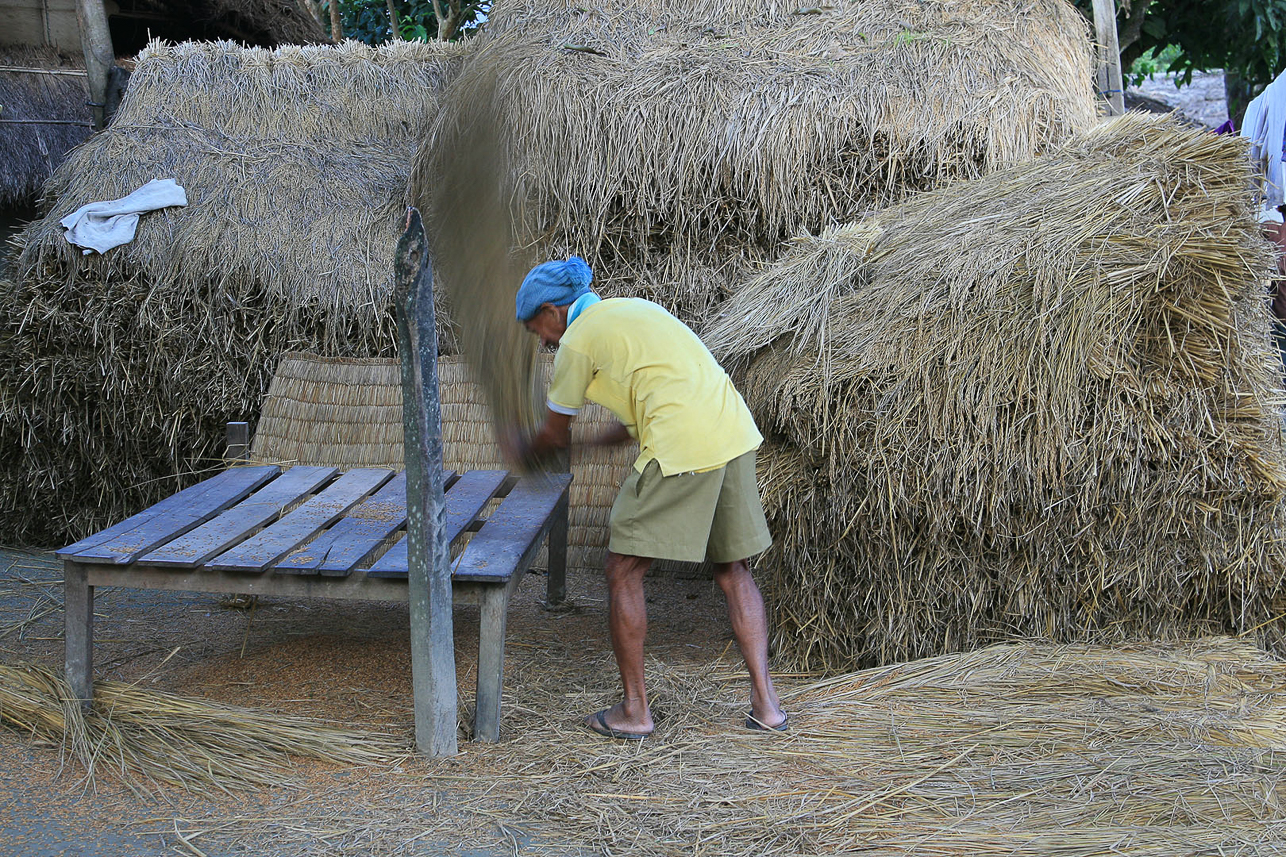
(429, 559)
(1108, 77)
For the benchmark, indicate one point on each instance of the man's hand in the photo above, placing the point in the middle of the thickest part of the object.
(513, 446)
(554, 434)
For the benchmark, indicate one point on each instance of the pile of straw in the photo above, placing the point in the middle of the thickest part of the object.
(1041, 403)
(32, 151)
(675, 146)
(146, 738)
(120, 370)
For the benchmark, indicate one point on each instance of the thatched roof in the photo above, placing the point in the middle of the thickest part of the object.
(676, 146)
(1043, 403)
(43, 115)
(295, 163)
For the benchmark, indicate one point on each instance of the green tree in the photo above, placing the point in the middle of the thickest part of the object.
(371, 21)
(1242, 37)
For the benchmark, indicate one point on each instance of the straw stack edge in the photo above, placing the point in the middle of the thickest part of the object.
(1042, 403)
(145, 738)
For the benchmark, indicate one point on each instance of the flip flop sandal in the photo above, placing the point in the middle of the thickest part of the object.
(608, 732)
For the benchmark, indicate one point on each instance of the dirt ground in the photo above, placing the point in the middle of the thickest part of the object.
(343, 662)
(1201, 100)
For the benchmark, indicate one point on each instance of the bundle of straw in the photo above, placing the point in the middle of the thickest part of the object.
(119, 371)
(1041, 403)
(143, 736)
(471, 228)
(675, 146)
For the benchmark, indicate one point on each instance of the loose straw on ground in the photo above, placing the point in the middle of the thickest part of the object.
(145, 738)
(1022, 749)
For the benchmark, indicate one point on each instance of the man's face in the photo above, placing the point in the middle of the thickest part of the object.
(547, 324)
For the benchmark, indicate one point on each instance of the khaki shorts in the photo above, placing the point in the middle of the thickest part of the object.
(691, 517)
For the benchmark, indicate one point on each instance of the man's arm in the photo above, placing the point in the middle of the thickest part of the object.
(616, 434)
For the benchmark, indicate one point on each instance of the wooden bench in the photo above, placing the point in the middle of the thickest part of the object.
(319, 532)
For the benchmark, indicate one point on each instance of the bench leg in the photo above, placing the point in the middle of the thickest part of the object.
(491, 663)
(78, 632)
(556, 584)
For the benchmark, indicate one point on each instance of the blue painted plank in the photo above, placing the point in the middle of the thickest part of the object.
(271, 544)
(187, 495)
(242, 520)
(513, 531)
(337, 551)
(465, 499)
(172, 517)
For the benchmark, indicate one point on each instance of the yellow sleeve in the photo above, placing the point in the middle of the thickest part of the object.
(573, 372)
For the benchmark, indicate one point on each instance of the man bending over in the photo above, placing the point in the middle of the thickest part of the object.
(691, 495)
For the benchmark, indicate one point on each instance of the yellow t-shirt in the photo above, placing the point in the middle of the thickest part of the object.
(650, 370)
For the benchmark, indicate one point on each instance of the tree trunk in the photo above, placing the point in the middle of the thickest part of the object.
(336, 26)
(96, 43)
(448, 14)
(1238, 94)
(392, 22)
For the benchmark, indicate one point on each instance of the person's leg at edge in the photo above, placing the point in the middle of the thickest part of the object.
(627, 622)
(750, 627)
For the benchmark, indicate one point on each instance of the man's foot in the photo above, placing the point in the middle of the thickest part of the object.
(758, 725)
(597, 723)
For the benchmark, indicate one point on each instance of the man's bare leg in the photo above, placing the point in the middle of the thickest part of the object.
(750, 627)
(627, 621)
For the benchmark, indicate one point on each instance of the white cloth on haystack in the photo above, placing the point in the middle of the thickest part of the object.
(100, 226)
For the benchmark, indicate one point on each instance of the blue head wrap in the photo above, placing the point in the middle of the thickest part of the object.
(557, 283)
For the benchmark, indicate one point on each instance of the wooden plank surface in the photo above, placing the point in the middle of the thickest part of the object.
(338, 550)
(465, 500)
(271, 544)
(242, 520)
(355, 538)
(514, 530)
(186, 496)
(172, 517)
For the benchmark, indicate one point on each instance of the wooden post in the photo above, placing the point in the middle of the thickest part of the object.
(429, 559)
(556, 547)
(96, 43)
(78, 632)
(1108, 77)
(238, 441)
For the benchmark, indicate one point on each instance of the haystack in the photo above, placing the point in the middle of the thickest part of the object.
(120, 370)
(42, 116)
(1042, 403)
(676, 146)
